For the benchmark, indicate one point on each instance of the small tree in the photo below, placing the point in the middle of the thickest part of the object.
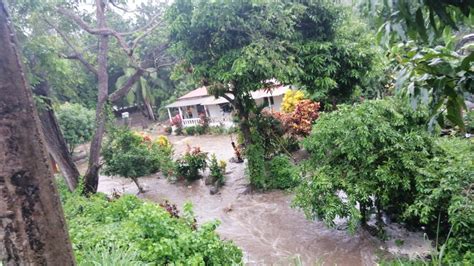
(76, 123)
(131, 155)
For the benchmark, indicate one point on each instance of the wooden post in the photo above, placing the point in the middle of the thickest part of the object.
(32, 226)
(169, 115)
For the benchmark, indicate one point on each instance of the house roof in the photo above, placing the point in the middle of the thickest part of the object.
(200, 96)
(189, 102)
(199, 92)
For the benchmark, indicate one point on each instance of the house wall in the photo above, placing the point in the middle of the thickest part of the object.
(277, 101)
(214, 110)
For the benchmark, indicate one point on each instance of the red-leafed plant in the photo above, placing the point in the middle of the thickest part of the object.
(300, 121)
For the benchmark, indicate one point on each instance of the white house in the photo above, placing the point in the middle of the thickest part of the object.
(219, 111)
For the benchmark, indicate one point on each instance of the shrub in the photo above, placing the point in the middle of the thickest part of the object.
(378, 156)
(177, 122)
(131, 231)
(282, 173)
(217, 130)
(77, 123)
(130, 154)
(217, 170)
(291, 99)
(200, 130)
(165, 152)
(371, 152)
(300, 121)
(190, 131)
(188, 166)
(469, 121)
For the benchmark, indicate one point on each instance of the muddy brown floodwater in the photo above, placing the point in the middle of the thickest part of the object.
(263, 225)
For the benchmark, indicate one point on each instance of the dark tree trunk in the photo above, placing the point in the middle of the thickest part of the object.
(55, 142)
(244, 123)
(149, 110)
(91, 178)
(32, 226)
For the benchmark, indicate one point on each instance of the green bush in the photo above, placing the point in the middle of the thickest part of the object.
(378, 156)
(200, 130)
(189, 165)
(190, 131)
(132, 155)
(282, 173)
(77, 123)
(144, 230)
(217, 170)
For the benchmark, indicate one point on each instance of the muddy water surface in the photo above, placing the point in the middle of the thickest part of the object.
(263, 225)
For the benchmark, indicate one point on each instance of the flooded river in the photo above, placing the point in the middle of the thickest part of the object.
(263, 225)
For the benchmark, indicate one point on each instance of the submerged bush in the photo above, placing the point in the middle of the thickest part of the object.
(378, 156)
(130, 154)
(189, 165)
(282, 174)
(142, 229)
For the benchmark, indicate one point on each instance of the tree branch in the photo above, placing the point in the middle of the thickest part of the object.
(77, 55)
(81, 23)
(118, 94)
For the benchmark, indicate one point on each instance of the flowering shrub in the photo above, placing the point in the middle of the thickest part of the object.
(178, 123)
(291, 99)
(300, 121)
(189, 165)
(217, 169)
(165, 150)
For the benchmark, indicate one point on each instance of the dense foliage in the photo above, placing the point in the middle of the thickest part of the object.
(282, 173)
(76, 122)
(291, 99)
(145, 230)
(437, 63)
(300, 121)
(130, 154)
(377, 156)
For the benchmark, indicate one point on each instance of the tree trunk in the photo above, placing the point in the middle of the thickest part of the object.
(140, 188)
(55, 142)
(91, 178)
(243, 114)
(32, 226)
(149, 110)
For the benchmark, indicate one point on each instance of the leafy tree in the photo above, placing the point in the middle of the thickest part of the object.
(441, 76)
(371, 153)
(340, 63)
(77, 124)
(234, 47)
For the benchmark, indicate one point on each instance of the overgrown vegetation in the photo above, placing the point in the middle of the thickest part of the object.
(377, 157)
(76, 122)
(130, 154)
(130, 231)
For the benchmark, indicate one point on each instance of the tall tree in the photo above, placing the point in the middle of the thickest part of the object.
(33, 227)
(128, 42)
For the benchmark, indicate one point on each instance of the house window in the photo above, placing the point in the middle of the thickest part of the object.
(268, 101)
